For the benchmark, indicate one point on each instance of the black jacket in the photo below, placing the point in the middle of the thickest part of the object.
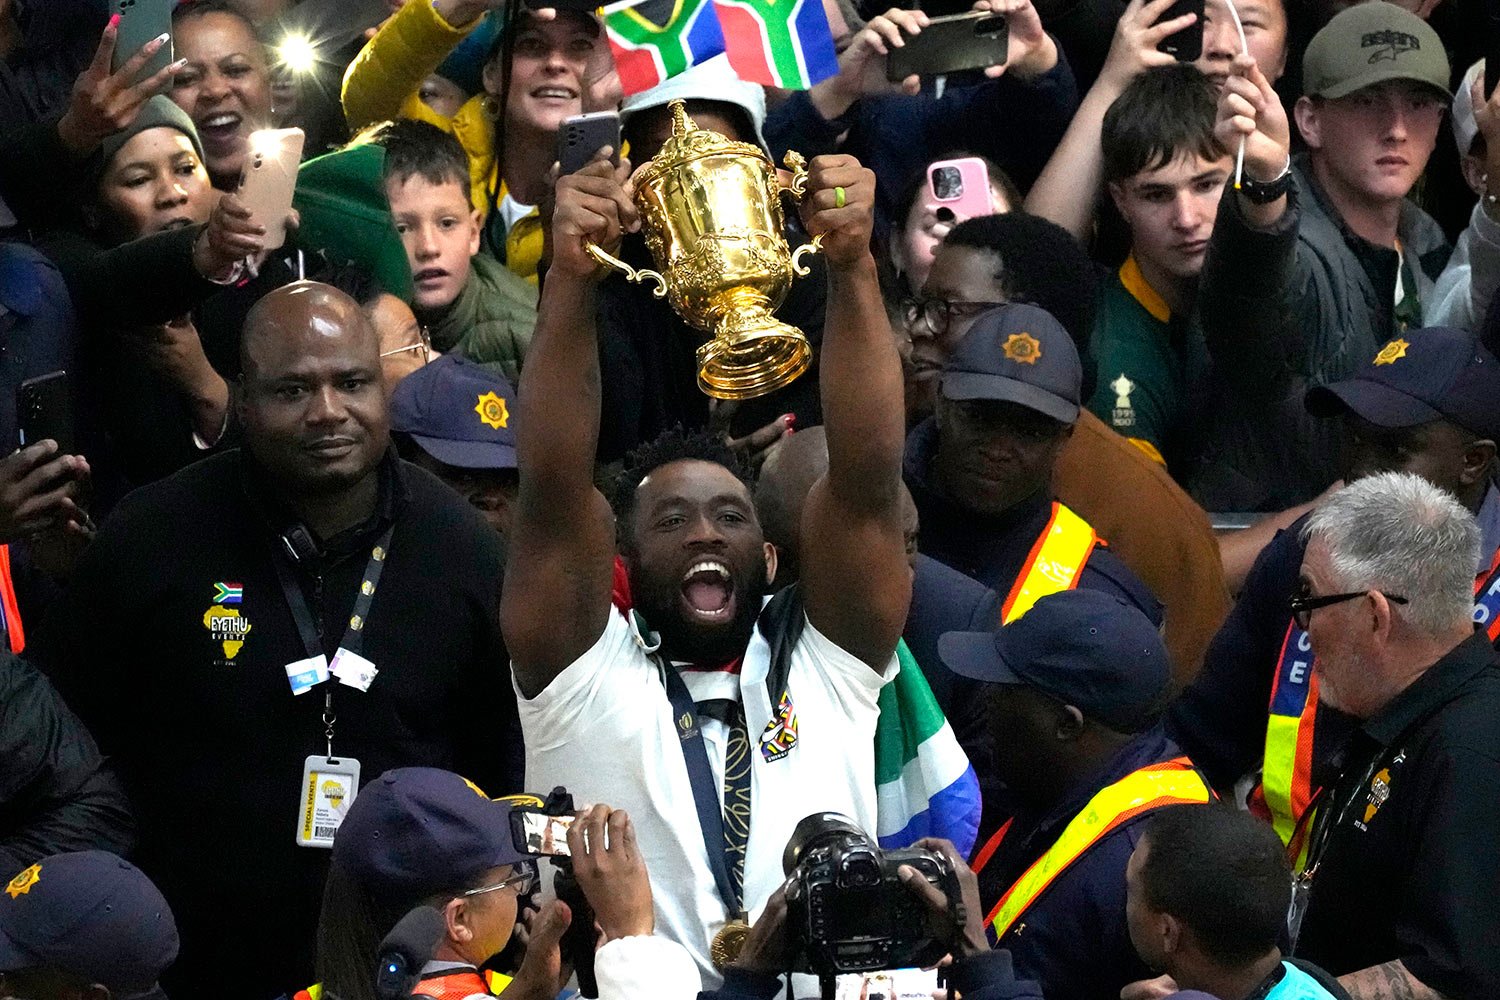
(56, 794)
(202, 721)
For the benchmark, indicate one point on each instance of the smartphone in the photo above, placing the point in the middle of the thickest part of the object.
(1185, 45)
(961, 187)
(582, 136)
(540, 833)
(270, 179)
(44, 409)
(975, 40)
(140, 22)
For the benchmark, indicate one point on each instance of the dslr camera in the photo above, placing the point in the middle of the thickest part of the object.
(847, 910)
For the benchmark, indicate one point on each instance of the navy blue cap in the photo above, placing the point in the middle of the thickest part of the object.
(459, 413)
(1423, 375)
(1086, 648)
(1017, 354)
(416, 831)
(91, 914)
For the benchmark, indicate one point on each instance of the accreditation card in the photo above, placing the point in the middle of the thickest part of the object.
(328, 787)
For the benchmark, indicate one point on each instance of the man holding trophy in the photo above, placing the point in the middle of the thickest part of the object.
(717, 715)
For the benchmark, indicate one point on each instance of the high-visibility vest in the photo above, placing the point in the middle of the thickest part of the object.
(15, 635)
(462, 980)
(1054, 564)
(1286, 790)
(1172, 782)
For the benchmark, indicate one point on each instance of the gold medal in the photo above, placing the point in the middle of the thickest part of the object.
(729, 942)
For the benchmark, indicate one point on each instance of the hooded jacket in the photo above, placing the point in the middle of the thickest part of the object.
(491, 321)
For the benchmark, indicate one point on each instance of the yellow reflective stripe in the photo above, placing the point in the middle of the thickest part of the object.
(1055, 562)
(1277, 772)
(1132, 794)
(496, 981)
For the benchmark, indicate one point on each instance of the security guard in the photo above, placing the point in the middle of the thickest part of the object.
(254, 637)
(1072, 690)
(980, 469)
(1429, 403)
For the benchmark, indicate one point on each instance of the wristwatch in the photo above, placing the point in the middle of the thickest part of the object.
(1264, 192)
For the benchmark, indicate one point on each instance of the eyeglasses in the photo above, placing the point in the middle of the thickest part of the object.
(523, 880)
(938, 314)
(423, 344)
(1303, 605)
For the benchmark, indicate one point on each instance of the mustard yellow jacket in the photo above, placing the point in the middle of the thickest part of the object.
(383, 83)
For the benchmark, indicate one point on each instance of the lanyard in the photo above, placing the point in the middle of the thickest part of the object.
(310, 629)
(701, 777)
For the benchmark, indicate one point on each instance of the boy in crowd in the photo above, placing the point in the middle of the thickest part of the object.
(1165, 171)
(469, 302)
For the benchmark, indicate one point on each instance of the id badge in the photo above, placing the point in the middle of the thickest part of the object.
(352, 669)
(328, 787)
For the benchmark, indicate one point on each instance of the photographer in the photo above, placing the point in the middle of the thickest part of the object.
(422, 836)
(971, 968)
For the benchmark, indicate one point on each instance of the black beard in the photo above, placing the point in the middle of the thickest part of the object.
(688, 641)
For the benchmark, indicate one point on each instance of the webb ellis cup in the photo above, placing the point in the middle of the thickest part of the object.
(711, 212)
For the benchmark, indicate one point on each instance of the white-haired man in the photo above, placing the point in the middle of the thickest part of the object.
(1400, 883)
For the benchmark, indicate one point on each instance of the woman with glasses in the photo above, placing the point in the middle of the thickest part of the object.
(419, 836)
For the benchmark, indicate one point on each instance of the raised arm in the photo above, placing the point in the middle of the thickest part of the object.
(855, 579)
(409, 46)
(556, 599)
(1068, 188)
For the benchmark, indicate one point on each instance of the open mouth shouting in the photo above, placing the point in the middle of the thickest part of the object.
(708, 592)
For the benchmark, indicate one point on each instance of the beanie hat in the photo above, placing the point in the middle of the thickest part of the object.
(159, 112)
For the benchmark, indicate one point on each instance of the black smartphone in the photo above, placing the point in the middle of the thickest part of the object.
(540, 833)
(44, 409)
(1185, 45)
(975, 40)
(582, 136)
(141, 21)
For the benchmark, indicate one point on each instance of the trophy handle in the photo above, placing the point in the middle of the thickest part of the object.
(797, 164)
(807, 248)
(632, 274)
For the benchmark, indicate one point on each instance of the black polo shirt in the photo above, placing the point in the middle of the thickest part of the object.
(1409, 870)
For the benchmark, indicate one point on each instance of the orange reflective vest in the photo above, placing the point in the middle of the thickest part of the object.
(15, 635)
(1286, 791)
(1054, 564)
(452, 985)
(1172, 782)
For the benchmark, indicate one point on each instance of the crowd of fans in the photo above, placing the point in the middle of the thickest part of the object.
(1129, 550)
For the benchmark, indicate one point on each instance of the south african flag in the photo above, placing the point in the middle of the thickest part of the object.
(780, 43)
(657, 39)
(228, 593)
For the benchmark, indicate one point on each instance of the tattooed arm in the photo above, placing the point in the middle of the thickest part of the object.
(1391, 981)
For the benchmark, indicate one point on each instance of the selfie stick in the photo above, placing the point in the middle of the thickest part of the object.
(1239, 157)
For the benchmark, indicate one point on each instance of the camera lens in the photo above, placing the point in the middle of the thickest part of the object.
(947, 183)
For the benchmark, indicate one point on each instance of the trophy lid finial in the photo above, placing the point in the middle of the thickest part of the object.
(681, 123)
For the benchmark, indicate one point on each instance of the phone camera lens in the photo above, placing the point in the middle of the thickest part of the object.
(947, 183)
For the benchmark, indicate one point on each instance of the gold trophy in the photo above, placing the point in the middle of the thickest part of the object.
(711, 211)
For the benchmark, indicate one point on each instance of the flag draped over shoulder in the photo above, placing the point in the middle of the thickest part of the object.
(924, 784)
(779, 43)
(658, 39)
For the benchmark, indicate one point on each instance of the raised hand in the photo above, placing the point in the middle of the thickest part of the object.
(862, 64)
(1250, 109)
(40, 490)
(1137, 35)
(105, 102)
(593, 205)
(611, 872)
(840, 206)
(1031, 51)
(231, 236)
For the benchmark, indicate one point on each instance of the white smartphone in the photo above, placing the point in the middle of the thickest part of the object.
(270, 179)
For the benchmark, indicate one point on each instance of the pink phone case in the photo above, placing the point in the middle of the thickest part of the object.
(270, 179)
(972, 199)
